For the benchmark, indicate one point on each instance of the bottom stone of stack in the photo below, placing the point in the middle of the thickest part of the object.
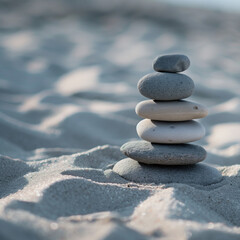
(164, 154)
(200, 174)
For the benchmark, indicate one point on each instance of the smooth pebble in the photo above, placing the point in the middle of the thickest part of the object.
(171, 63)
(200, 174)
(164, 154)
(170, 111)
(170, 132)
(166, 86)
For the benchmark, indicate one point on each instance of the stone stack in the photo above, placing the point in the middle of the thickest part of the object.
(168, 126)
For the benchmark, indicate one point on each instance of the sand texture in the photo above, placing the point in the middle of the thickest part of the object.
(68, 89)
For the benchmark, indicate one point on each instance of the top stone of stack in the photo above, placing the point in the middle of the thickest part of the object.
(171, 63)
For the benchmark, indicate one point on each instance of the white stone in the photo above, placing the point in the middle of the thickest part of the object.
(171, 110)
(170, 132)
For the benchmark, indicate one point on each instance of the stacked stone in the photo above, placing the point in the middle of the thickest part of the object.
(168, 126)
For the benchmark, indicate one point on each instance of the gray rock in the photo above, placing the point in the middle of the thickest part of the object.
(164, 154)
(134, 171)
(166, 86)
(171, 63)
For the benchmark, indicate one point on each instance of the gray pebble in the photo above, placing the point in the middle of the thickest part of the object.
(171, 63)
(164, 154)
(134, 171)
(166, 86)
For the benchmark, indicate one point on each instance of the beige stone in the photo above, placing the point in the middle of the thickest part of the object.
(171, 110)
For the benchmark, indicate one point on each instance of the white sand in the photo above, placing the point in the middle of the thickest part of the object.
(68, 76)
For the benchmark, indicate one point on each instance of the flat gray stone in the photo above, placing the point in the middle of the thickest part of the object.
(164, 154)
(134, 171)
(166, 86)
(171, 63)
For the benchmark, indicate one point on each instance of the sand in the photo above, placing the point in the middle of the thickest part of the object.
(68, 77)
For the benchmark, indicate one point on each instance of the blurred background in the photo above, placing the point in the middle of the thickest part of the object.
(69, 70)
(231, 6)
